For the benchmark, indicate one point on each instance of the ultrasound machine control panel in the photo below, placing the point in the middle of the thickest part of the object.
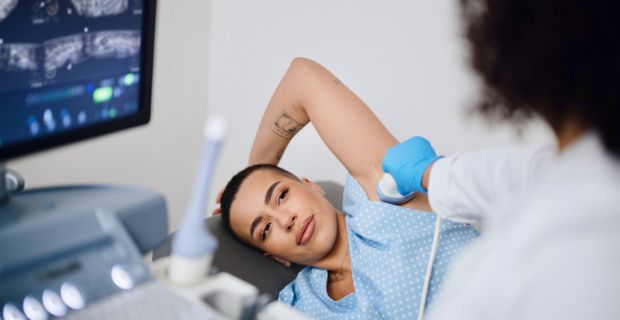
(62, 254)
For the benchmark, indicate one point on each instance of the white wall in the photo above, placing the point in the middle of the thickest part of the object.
(403, 57)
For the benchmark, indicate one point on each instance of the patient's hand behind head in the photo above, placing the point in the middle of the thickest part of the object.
(276, 212)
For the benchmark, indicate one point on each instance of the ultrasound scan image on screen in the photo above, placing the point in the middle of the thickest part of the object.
(68, 65)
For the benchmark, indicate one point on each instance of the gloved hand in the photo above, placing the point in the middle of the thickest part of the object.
(407, 161)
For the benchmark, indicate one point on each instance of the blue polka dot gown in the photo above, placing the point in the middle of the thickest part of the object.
(389, 248)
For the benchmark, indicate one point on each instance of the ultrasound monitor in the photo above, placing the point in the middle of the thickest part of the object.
(72, 70)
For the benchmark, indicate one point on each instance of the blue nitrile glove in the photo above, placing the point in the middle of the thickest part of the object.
(407, 161)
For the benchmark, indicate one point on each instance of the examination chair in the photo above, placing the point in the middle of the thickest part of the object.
(236, 258)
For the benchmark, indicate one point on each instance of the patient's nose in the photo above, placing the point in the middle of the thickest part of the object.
(290, 222)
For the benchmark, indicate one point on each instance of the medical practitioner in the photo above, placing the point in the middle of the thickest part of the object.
(549, 215)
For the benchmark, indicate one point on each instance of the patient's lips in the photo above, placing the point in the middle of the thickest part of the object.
(305, 231)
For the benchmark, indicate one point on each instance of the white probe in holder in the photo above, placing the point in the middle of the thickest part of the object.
(193, 246)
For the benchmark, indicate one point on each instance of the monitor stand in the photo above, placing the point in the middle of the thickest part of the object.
(4, 193)
(13, 182)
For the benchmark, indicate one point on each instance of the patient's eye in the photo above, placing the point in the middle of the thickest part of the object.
(265, 230)
(282, 196)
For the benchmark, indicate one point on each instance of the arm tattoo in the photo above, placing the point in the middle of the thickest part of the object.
(285, 126)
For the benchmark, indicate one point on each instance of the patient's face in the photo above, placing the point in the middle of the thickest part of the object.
(289, 219)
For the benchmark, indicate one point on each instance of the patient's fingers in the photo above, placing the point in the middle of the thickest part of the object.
(218, 199)
(217, 211)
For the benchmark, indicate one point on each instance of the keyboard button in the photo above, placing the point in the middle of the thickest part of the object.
(121, 277)
(11, 312)
(53, 304)
(34, 309)
(72, 296)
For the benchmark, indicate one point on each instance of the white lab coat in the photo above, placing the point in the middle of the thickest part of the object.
(550, 241)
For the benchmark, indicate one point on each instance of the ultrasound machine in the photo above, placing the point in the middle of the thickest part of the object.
(71, 70)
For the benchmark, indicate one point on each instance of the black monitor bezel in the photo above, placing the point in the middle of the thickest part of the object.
(141, 117)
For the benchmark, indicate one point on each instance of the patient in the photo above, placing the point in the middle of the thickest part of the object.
(368, 261)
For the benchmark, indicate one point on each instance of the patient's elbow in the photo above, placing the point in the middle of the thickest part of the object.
(302, 62)
(305, 66)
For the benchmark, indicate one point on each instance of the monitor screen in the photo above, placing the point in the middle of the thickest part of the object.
(72, 69)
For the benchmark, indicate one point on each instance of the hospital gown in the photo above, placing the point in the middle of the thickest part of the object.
(389, 251)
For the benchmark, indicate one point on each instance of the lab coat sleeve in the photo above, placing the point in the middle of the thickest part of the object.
(464, 186)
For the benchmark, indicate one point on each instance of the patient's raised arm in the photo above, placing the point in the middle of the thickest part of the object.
(309, 92)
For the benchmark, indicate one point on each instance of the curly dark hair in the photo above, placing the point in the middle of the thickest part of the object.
(556, 58)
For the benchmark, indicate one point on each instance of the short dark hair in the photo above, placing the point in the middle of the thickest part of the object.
(556, 58)
(232, 187)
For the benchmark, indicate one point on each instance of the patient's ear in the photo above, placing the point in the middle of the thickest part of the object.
(285, 263)
(313, 185)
